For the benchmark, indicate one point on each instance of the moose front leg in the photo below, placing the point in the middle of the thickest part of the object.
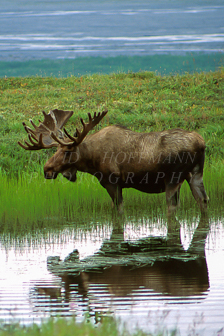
(196, 184)
(172, 197)
(115, 192)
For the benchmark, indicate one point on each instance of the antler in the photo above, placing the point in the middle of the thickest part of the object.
(40, 137)
(93, 121)
(37, 144)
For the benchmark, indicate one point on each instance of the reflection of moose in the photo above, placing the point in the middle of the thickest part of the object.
(120, 158)
(120, 268)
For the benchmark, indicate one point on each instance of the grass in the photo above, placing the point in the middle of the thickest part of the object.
(163, 64)
(69, 327)
(64, 327)
(141, 101)
(31, 203)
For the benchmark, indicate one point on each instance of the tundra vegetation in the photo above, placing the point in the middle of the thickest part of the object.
(142, 102)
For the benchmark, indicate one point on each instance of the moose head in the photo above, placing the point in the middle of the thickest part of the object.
(49, 134)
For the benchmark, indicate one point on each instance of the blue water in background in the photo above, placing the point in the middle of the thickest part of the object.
(69, 29)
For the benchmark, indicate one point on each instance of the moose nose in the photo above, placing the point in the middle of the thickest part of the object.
(50, 175)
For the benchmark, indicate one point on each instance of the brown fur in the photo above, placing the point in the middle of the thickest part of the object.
(150, 162)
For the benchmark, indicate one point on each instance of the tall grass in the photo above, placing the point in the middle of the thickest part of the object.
(31, 199)
(31, 202)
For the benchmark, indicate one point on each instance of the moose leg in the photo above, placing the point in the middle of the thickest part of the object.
(195, 181)
(172, 197)
(173, 227)
(115, 192)
(173, 234)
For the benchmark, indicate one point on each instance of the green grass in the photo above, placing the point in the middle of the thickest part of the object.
(141, 101)
(69, 327)
(31, 203)
(163, 64)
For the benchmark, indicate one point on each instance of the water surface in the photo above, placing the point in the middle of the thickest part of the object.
(121, 267)
(53, 29)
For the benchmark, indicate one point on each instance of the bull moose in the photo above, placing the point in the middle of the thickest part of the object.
(120, 158)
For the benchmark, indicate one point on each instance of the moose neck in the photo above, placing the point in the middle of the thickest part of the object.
(85, 160)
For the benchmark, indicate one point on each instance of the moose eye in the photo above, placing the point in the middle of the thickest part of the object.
(67, 155)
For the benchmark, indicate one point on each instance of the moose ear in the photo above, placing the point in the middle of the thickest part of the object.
(61, 117)
(40, 136)
(80, 135)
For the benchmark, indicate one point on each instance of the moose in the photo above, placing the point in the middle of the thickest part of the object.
(118, 157)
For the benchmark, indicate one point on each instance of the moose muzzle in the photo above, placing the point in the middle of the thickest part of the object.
(50, 175)
(70, 174)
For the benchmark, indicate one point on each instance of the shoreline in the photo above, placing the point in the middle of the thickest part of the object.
(162, 64)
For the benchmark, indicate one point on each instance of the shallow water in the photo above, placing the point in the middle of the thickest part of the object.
(53, 29)
(119, 266)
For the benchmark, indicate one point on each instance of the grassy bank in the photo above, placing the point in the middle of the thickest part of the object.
(162, 64)
(141, 101)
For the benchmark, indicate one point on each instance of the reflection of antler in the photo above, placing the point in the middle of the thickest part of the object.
(40, 136)
(93, 121)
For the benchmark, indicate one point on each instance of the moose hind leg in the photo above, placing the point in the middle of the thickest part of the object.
(115, 192)
(195, 181)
